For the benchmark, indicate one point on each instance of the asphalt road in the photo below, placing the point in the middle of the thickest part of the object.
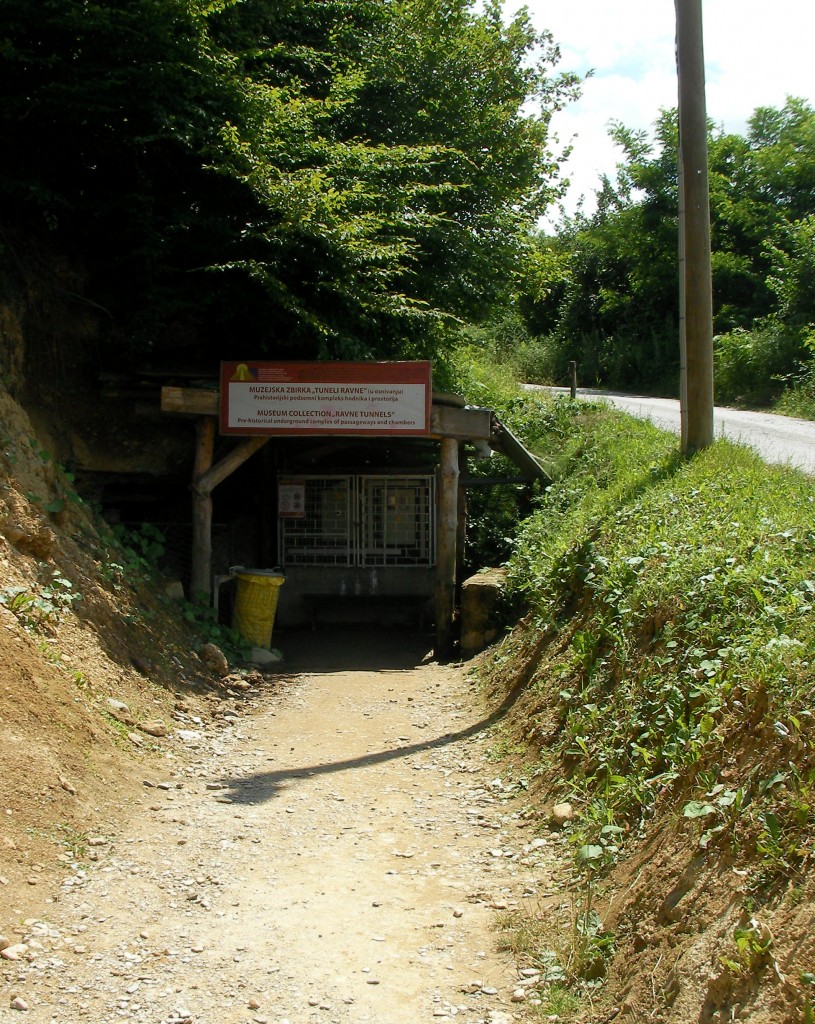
(778, 439)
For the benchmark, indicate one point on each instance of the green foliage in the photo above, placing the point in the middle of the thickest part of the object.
(141, 551)
(792, 252)
(339, 179)
(205, 621)
(506, 340)
(41, 606)
(752, 367)
(494, 510)
(604, 290)
(680, 598)
(752, 944)
(143, 546)
(799, 399)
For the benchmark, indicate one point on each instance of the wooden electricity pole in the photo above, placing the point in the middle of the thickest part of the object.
(696, 290)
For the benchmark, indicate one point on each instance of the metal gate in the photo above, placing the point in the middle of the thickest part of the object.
(360, 521)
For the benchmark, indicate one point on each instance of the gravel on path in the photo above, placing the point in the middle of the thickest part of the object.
(333, 846)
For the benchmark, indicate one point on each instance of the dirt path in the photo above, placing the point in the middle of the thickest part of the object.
(334, 848)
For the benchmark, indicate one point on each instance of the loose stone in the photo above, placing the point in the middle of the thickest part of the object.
(561, 813)
(14, 952)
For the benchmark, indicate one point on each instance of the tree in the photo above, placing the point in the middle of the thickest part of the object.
(337, 179)
(603, 290)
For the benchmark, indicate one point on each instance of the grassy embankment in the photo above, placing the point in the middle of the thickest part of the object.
(667, 661)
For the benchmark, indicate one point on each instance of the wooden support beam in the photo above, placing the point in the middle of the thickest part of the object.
(207, 482)
(206, 478)
(461, 525)
(200, 586)
(461, 424)
(446, 529)
(505, 442)
(190, 401)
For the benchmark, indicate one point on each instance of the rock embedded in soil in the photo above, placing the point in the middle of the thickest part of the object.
(215, 659)
(154, 728)
(14, 952)
(561, 813)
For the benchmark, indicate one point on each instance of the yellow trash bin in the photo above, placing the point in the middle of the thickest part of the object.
(256, 604)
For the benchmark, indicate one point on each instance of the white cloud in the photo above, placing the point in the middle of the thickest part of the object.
(755, 55)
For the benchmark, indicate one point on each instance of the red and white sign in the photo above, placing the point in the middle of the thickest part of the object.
(390, 399)
(291, 499)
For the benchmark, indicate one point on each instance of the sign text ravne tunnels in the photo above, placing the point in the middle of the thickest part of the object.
(326, 398)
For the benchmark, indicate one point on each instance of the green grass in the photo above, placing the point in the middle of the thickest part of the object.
(679, 596)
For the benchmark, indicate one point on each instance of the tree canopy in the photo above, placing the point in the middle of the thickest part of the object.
(335, 179)
(604, 289)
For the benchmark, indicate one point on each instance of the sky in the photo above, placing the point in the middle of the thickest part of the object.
(757, 52)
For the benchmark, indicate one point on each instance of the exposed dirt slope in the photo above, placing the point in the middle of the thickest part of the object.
(78, 638)
(698, 929)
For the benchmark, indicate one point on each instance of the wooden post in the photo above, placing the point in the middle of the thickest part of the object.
(683, 348)
(573, 378)
(446, 532)
(268, 523)
(203, 484)
(200, 584)
(698, 289)
(461, 524)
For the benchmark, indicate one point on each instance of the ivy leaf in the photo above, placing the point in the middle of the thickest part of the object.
(698, 809)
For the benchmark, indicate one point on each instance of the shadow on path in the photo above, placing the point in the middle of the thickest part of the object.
(262, 786)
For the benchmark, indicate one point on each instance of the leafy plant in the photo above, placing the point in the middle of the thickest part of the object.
(144, 546)
(592, 945)
(753, 942)
(74, 841)
(44, 604)
(725, 806)
(204, 619)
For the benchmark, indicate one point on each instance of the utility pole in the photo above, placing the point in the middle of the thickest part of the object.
(696, 289)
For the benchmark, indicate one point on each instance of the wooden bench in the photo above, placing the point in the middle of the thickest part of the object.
(415, 604)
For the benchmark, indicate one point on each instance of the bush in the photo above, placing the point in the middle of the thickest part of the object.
(535, 362)
(752, 367)
(799, 399)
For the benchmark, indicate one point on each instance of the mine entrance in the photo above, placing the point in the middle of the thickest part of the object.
(357, 521)
(357, 545)
(389, 539)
